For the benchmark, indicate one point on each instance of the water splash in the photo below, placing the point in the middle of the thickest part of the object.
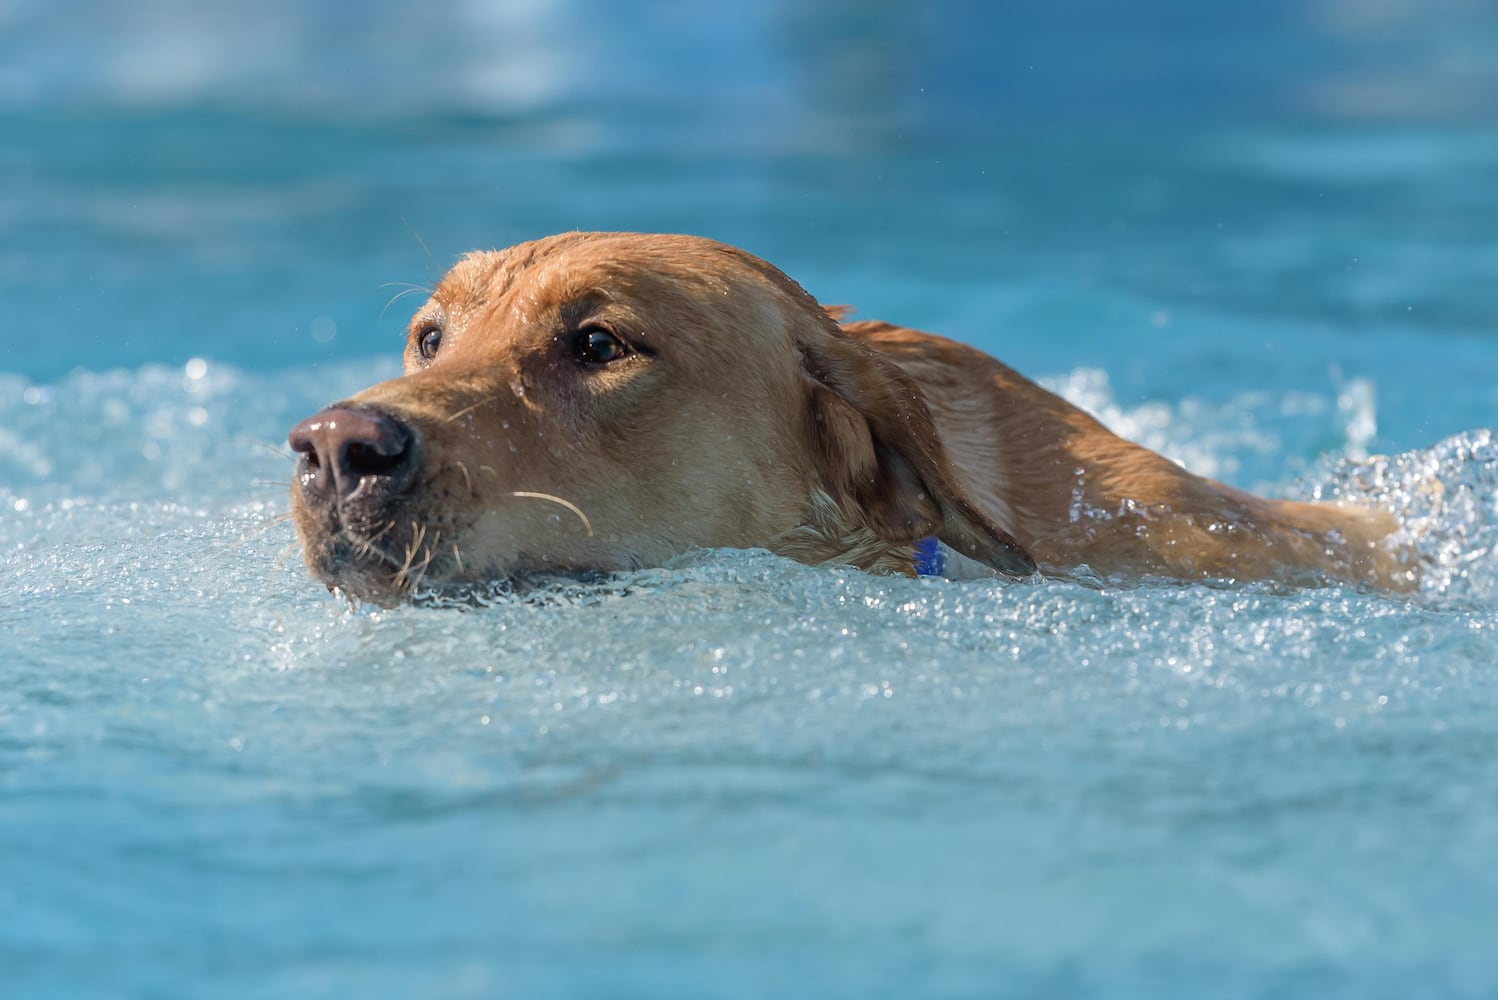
(1357, 404)
(183, 705)
(1446, 496)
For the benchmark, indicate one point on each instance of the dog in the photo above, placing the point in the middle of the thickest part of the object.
(609, 401)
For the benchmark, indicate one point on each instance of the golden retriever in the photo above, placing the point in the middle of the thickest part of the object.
(607, 401)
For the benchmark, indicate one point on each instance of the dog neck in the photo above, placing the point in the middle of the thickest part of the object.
(825, 535)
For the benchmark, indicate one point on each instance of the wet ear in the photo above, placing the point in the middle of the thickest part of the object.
(882, 460)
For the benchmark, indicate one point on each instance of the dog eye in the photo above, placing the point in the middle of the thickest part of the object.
(596, 346)
(429, 342)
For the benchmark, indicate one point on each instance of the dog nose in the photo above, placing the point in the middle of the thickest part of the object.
(346, 450)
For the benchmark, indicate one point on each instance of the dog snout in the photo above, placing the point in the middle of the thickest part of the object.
(348, 453)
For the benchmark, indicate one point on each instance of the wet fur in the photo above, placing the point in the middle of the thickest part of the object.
(1076, 494)
(748, 417)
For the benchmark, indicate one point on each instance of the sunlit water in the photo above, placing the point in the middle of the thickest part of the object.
(726, 777)
(1260, 241)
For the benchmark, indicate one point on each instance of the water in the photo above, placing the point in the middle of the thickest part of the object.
(736, 775)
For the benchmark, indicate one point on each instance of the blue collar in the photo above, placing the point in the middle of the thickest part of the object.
(929, 558)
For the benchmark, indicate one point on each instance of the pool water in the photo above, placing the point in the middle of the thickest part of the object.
(739, 776)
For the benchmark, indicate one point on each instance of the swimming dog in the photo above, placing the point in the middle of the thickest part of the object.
(608, 401)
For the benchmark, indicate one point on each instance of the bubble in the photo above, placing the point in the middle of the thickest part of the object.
(324, 329)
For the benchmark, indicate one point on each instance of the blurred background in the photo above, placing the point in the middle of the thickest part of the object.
(1258, 237)
(1166, 190)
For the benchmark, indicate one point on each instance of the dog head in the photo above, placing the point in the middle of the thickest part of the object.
(606, 401)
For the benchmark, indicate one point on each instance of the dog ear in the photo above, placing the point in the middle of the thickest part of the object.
(882, 460)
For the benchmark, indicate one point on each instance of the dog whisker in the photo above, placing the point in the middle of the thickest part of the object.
(276, 450)
(418, 535)
(587, 525)
(469, 409)
(261, 528)
(363, 549)
(279, 562)
(420, 242)
(466, 477)
(426, 563)
(411, 290)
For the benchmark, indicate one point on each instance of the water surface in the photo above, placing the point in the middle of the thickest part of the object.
(737, 775)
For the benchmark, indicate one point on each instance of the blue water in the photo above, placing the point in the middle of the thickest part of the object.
(1263, 245)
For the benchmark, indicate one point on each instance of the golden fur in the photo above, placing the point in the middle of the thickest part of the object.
(740, 414)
